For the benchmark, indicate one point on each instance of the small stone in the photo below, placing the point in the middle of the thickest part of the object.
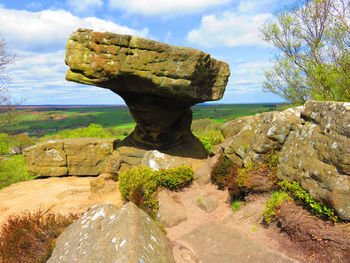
(207, 203)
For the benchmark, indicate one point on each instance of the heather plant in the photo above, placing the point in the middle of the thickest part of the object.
(222, 172)
(141, 185)
(30, 236)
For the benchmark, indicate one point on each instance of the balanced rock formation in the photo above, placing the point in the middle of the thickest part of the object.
(314, 145)
(157, 81)
(107, 234)
(82, 156)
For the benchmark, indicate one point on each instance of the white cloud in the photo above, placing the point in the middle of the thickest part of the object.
(156, 7)
(50, 29)
(229, 30)
(82, 6)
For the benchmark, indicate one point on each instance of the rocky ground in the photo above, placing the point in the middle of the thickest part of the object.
(221, 235)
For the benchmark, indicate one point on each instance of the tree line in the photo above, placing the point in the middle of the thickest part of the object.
(313, 41)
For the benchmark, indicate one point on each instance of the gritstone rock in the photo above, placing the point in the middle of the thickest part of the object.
(158, 82)
(314, 144)
(317, 154)
(82, 156)
(106, 234)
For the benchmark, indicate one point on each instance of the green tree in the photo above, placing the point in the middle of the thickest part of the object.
(4, 143)
(313, 40)
(7, 110)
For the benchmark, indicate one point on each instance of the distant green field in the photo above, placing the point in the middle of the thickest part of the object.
(47, 120)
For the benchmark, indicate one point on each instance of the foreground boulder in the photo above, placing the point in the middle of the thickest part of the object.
(82, 156)
(158, 82)
(106, 234)
(314, 146)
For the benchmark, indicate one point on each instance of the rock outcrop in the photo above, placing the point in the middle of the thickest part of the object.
(107, 234)
(260, 134)
(158, 82)
(83, 156)
(314, 145)
(317, 154)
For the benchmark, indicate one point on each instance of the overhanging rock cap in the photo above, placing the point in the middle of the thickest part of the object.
(124, 63)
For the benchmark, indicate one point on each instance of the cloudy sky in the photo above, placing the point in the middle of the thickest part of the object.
(37, 31)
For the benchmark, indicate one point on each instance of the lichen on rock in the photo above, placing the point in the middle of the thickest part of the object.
(158, 82)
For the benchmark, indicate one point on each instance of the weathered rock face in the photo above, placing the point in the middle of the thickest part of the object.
(83, 156)
(314, 141)
(107, 234)
(317, 154)
(260, 134)
(158, 82)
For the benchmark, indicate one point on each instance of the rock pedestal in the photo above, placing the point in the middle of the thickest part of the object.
(157, 81)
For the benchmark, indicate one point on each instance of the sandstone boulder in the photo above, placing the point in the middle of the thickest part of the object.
(158, 82)
(108, 234)
(260, 134)
(231, 128)
(157, 161)
(317, 154)
(314, 149)
(82, 156)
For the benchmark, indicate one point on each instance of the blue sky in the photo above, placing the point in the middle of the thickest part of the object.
(37, 31)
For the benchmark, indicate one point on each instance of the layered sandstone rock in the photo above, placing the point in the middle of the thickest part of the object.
(314, 145)
(158, 82)
(82, 156)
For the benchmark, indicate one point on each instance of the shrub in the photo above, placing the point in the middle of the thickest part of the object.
(141, 185)
(303, 197)
(4, 143)
(175, 178)
(272, 159)
(222, 172)
(92, 131)
(211, 138)
(21, 141)
(271, 206)
(30, 237)
(13, 170)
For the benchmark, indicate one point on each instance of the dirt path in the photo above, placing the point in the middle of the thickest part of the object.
(247, 221)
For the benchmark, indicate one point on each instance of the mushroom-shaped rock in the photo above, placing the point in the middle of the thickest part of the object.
(158, 82)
